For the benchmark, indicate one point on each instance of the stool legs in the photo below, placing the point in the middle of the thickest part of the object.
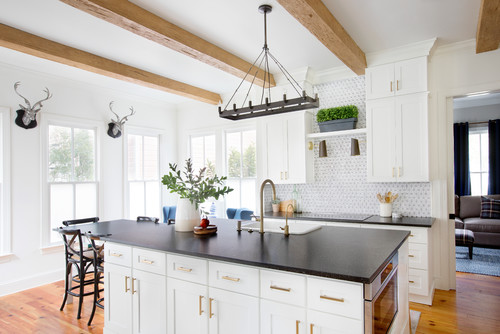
(66, 285)
(470, 252)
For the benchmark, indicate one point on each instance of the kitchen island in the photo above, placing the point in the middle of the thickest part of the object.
(210, 284)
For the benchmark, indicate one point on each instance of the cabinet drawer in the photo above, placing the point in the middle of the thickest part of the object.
(283, 287)
(335, 297)
(240, 279)
(118, 254)
(418, 256)
(187, 268)
(150, 261)
(418, 235)
(418, 282)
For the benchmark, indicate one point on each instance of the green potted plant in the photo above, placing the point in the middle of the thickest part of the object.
(193, 189)
(338, 118)
(276, 205)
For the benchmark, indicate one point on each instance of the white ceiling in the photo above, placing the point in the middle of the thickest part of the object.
(234, 25)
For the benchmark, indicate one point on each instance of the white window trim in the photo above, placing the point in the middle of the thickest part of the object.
(53, 119)
(5, 205)
(141, 131)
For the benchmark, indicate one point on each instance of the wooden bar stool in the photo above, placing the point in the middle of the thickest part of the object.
(98, 275)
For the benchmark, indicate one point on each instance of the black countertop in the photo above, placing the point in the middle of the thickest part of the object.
(351, 254)
(354, 218)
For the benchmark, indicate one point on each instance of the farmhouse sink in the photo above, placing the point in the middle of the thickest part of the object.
(275, 227)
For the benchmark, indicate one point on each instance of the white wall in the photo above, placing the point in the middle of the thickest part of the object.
(454, 70)
(476, 114)
(29, 265)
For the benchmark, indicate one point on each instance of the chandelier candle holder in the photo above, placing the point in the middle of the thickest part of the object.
(266, 106)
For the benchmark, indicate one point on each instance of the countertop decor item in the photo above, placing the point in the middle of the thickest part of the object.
(193, 189)
(210, 229)
(267, 107)
(337, 119)
(276, 205)
(386, 201)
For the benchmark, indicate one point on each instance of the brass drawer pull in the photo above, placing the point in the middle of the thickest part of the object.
(147, 261)
(340, 300)
(391, 86)
(200, 311)
(411, 235)
(187, 270)
(311, 328)
(297, 322)
(232, 279)
(409, 255)
(411, 282)
(274, 287)
(210, 314)
(116, 254)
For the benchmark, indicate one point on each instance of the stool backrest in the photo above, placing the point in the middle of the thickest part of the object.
(80, 221)
(73, 243)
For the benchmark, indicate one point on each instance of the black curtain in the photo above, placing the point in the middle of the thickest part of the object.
(494, 157)
(462, 175)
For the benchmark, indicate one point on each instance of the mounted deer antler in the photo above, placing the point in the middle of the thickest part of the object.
(26, 116)
(115, 127)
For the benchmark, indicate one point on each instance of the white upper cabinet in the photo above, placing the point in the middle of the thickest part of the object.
(397, 137)
(403, 77)
(284, 153)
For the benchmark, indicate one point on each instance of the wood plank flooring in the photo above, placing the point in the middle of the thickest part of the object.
(473, 308)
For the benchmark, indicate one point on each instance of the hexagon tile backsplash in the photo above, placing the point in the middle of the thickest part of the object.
(340, 184)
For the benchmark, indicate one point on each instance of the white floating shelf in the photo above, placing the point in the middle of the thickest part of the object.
(352, 132)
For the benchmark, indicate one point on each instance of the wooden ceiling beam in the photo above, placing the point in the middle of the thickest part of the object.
(22, 41)
(316, 17)
(488, 26)
(135, 19)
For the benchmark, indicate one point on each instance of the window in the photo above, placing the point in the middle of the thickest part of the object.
(71, 175)
(5, 242)
(203, 154)
(478, 160)
(143, 175)
(241, 162)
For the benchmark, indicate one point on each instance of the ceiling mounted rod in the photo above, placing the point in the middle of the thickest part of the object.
(302, 102)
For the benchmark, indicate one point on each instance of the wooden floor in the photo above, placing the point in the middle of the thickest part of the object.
(473, 308)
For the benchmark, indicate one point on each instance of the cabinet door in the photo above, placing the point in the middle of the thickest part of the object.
(295, 159)
(380, 81)
(381, 141)
(149, 292)
(411, 76)
(412, 138)
(275, 150)
(117, 298)
(187, 307)
(231, 312)
(324, 323)
(281, 318)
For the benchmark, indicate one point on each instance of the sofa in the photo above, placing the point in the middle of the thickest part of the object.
(467, 216)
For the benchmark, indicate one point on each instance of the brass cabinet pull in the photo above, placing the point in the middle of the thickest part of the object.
(311, 328)
(410, 255)
(115, 254)
(210, 314)
(411, 281)
(126, 285)
(199, 303)
(281, 175)
(232, 279)
(187, 270)
(133, 289)
(286, 175)
(147, 261)
(393, 172)
(274, 287)
(399, 172)
(297, 322)
(397, 84)
(411, 235)
(340, 300)
(391, 86)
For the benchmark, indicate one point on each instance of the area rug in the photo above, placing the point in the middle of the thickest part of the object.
(414, 318)
(485, 261)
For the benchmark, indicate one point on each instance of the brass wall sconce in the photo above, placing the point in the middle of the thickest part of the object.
(323, 153)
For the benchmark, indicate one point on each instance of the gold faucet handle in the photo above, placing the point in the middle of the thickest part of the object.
(257, 219)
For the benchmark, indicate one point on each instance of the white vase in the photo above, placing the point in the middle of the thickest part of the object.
(385, 209)
(186, 216)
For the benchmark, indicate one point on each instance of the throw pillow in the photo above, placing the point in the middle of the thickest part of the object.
(490, 208)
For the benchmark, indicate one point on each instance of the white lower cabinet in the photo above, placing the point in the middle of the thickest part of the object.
(325, 323)
(281, 318)
(135, 301)
(187, 307)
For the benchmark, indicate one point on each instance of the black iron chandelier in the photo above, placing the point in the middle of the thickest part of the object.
(266, 106)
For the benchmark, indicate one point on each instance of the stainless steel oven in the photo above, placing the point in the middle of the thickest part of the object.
(381, 299)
